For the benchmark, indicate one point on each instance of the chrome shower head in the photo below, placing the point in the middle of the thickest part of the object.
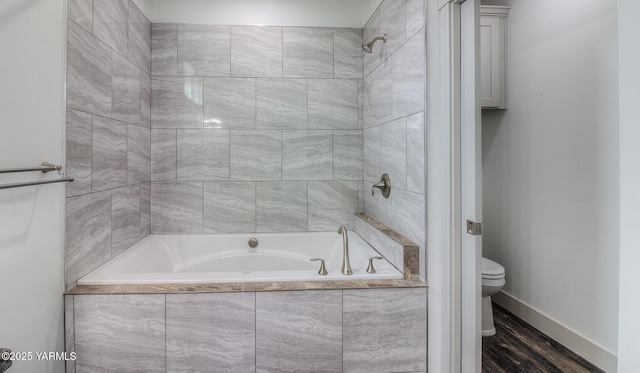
(369, 46)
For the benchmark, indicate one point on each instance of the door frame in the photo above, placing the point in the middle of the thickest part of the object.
(451, 101)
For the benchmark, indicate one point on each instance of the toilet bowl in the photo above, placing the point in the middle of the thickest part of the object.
(492, 282)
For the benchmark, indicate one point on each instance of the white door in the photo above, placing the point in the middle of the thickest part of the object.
(471, 188)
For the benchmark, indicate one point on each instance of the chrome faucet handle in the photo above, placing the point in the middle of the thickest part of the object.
(370, 268)
(323, 269)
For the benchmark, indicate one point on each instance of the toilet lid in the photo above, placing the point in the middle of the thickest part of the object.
(491, 268)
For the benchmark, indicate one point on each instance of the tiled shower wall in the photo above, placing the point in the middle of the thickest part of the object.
(255, 129)
(108, 131)
(238, 128)
(394, 126)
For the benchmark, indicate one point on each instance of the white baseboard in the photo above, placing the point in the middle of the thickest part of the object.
(589, 350)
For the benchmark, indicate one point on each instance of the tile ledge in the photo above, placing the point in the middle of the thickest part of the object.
(410, 250)
(402, 240)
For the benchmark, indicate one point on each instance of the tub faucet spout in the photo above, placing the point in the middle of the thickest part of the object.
(346, 266)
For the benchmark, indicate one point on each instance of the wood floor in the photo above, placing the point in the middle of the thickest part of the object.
(518, 347)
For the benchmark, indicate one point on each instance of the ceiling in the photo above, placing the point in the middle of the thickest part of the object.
(310, 13)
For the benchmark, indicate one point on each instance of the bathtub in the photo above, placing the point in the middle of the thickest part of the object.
(214, 258)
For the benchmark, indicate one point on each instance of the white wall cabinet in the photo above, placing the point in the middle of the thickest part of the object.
(493, 56)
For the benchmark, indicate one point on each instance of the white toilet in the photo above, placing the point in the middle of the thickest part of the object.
(492, 282)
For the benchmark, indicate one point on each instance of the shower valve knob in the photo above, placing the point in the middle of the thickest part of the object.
(384, 185)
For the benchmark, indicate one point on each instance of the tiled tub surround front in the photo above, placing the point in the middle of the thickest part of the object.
(366, 330)
(255, 129)
(108, 206)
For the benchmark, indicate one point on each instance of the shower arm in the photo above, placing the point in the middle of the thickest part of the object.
(369, 46)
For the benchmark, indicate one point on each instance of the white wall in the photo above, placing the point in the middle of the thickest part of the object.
(31, 233)
(629, 327)
(326, 13)
(551, 174)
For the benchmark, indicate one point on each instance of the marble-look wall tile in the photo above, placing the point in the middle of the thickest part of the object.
(394, 24)
(380, 97)
(347, 57)
(408, 66)
(361, 193)
(138, 155)
(405, 214)
(108, 154)
(281, 206)
(256, 155)
(333, 104)
(177, 207)
(380, 336)
(230, 103)
(229, 207)
(281, 104)
(307, 52)
(164, 162)
(211, 331)
(307, 155)
(176, 102)
(415, 153)
(299, 331)
(145, 100)
(203, 50)
(393, 156)
(125, 218)
(164, 49)
(88, 72)
(415, 16)
(372, 153)
(88, 227)
(81, 12)
(125, 88)
(375, 205)
(110, 23)
(69, 333)
(332, 204)
(139, 41)
(78, 152)
(256, 51)
(347, 155)
(366, 103)
(360, 103)
(386, 246)
(145, 209)
(203, 154)
(120, 333)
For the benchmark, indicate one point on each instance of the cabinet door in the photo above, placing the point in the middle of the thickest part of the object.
(492, 63)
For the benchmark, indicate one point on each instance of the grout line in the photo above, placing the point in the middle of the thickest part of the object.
(342, 327)
(165, 331)
(255, 331)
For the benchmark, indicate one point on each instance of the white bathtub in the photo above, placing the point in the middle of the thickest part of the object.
(182, 259)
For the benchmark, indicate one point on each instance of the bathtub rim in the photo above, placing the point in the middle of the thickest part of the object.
(132, 289)
(388, 272)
